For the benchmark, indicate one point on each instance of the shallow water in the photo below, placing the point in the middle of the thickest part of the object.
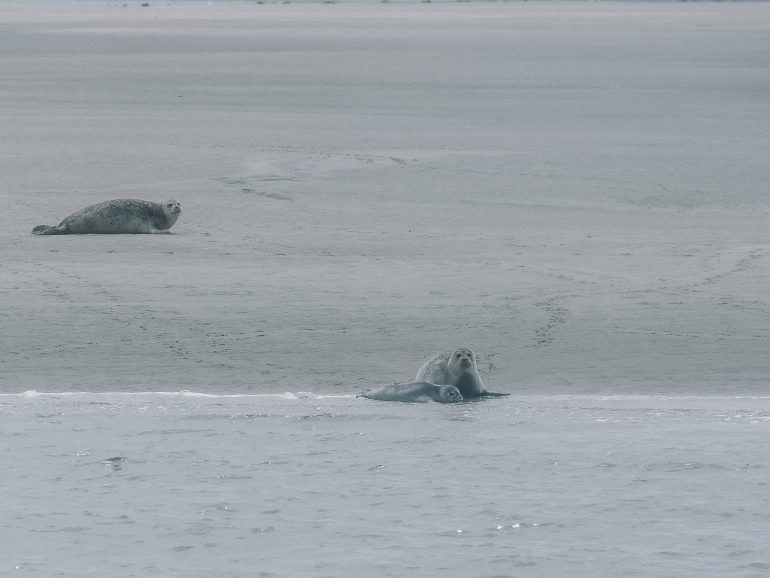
(299, 484)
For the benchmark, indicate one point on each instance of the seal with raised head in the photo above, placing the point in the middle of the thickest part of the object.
(457, 368)
(416, 391)
(117, 216)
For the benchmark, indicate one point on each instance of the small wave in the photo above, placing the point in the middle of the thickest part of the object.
(181, 393)
(639, 397)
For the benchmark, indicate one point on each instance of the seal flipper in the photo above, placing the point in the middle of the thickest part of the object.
(494, 394)
(46, 230)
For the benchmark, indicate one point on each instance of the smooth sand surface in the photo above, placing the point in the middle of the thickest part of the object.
(578, 192)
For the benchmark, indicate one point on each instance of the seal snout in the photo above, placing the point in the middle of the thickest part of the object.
(465, 362)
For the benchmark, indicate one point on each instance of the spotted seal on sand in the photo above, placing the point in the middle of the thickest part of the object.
(457, 368)
(117, 216)
(419, 391)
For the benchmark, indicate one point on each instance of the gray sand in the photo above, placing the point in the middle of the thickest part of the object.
(577, 192)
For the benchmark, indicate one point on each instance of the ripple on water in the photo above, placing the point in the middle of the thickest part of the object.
(233, 477)
(114, 463)
(324, 416)
(201, 417)
(685, 466)
(177, 431)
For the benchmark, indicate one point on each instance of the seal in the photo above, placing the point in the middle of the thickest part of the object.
(416, 391)
(457, 368)
(117, 216)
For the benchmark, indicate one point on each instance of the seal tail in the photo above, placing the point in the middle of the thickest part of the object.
(47, 230)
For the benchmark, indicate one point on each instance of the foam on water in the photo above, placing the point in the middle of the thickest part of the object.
(182, 393)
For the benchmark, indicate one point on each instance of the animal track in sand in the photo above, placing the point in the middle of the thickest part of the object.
(170, 328)
(251, 185)
(556, 315)
(743, 264)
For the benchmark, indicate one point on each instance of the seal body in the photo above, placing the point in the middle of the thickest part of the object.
(416, 391)
(457, 368)
(117, 216)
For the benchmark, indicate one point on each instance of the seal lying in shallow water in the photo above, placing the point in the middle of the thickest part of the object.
(459, 369)
(420, 391)
(117, 216)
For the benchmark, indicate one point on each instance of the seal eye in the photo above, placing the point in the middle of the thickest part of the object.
(458, 356)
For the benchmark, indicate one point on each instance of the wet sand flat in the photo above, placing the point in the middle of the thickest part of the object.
(578, 192)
